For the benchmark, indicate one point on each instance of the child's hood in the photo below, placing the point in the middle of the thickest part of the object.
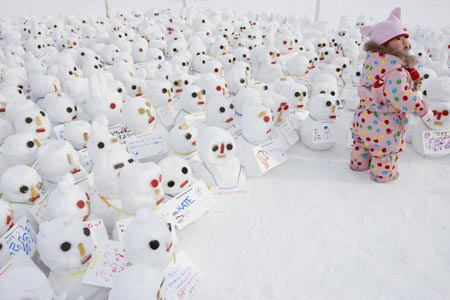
(380, 61)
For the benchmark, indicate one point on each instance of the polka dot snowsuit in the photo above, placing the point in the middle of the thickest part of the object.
(380, 123)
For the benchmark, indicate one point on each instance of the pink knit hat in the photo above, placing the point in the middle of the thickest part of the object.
(384, 31)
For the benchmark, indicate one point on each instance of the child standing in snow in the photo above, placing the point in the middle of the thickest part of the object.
(387, 97)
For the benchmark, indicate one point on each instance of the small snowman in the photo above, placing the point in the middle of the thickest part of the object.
(21, 188)
(57, 158)
(65, 246)
(177, 175)
(148, 240)
(34, 120)
(60, 108)
(68, 199)
(20, 148)
(77, 133)
(257, 124)
(182, 140)
(192, 101)
(100, 139)
(140, 186)
(318, 130)
(219, 167)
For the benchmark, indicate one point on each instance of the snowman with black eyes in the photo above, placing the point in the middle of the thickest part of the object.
(21, 187)
(220, 112)
(182, 142)
(192, 103)
(99, 139)
(34, 120)
(237, 79)
(319, 130)
(149, 247)
(65, 246)
(162, 97)
(219, 167)
(150, 140)
(61, 108)
(213, 84)
(177, 176)
(20, 149)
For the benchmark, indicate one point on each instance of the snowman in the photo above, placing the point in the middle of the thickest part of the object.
(227, 60)
(161, 94)
(60, 108)
(20, 148)
(26, 281)
(219, 112)
(177, 175)
(42, 84)
(237, 79)
(68, 199)
(256, 125)
(65, 246)
(148, 240)
(182, 141)
(33, 120)
(219, 167)
(57, 158)
(318, 130)
(437, 94)
(140, 186)
(192, 101)
(213, 85)
(106, 202)
(21, 188)
(77, 133)
(100, 139)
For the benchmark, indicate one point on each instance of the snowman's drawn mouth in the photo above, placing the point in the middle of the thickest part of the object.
(40, 130)
(86, 259)
(229, 120)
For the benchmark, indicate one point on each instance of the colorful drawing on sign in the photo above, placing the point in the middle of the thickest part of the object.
(121, 132)
(436, 142)
(21, 238)
(108, 262)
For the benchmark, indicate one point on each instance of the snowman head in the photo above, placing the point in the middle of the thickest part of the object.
(33, 120)
(148, 240)
(220, 112)
(20, 184)
(216, 146)
(176, 174)
(139, 115)
(183, 139)
(65, 245)
(21, 148)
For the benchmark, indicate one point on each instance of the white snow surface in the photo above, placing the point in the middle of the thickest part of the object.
(312, 228)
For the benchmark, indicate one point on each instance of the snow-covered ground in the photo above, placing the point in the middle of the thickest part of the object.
(312, 228)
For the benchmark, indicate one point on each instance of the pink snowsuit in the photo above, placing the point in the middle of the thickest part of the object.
(380, 123)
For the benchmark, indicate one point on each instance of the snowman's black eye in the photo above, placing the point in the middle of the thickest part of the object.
(65, 246)
(28, 120)
(101, 145)
(170, 183)
(30, 144)
(229, 146)
(184, 170)
(23, 189)
(188, 136)
(154, 244)
(222, 109)
(86, 231)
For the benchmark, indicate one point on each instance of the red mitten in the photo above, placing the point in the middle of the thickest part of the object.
(414, 73)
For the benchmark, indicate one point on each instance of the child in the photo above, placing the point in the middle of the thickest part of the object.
(387, 97)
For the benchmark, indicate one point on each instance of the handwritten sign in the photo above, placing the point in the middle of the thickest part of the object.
(235, 131)
(145, 146)
(59, 131)
(296, 117)
(167, 114)
(192, 158)
(39, 209)
(85, 161)
(350, 96)
(349, 138)
(98, 230)
(197, 119)
(109, 260)
(21, 238)
(270, 154)
(181, 279)
(290, 137)
(323, 133)
(436, 142)
(121, 131)
(189, 205)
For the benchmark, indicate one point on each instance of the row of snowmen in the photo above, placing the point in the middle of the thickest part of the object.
(112, 118)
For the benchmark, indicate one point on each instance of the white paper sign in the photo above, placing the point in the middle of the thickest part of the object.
(181, 279)
(270, 154)
(167, 114)
(322, 133)
(350, 93)
(20, 238)
(288, 134)
(109, 260)
(59, 132)
(98, 230)
(39, 209)
(234, 131)
(121, 131)
(296, 117)
(189, 205)
(349, 138)
(192, 158)
(436, 142)
(85, 161)
(144, 146)
(196, 120)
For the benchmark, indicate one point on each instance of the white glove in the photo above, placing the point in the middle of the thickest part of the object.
(428, 117)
